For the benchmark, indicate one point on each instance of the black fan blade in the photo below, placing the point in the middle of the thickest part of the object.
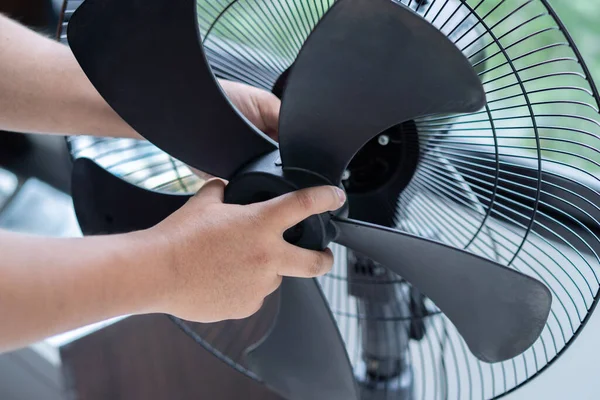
(367, 66)
(107, 204)
(146, 60)
(499, 312)
(303, 356)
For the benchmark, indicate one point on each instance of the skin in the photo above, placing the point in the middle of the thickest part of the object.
(207, 262)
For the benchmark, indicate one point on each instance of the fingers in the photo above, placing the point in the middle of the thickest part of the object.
(259, 106)
(274, 284)
(268, 108)
(201, 174)
(291, 208)
(302, 263)
(211, 192)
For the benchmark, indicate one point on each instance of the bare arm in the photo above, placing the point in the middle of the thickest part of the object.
(43, 89)
(207, 262)
(51, 285)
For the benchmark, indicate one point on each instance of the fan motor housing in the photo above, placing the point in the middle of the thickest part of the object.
(265, 178)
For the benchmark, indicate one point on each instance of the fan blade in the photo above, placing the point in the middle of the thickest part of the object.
(107, 204)
(367, 66)
(303, 356)
(499, 312)
(146, 60)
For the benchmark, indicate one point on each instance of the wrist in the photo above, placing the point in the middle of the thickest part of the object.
(152, 260)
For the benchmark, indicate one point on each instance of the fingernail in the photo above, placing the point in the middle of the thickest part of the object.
(341, 195)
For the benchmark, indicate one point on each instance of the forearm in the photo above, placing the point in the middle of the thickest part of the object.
(43, 89)
(51, 285)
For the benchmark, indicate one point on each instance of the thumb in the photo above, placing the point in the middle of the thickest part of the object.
(291, 208)
(211, 192)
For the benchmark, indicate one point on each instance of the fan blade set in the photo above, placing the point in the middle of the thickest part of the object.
(146, 60)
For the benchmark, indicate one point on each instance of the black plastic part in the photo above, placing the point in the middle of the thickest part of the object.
(499, 312)
(385, 70)
(146, 60)
(279, 86)
(264, 179)
(378, 174)
(304, 357)
(106, 204)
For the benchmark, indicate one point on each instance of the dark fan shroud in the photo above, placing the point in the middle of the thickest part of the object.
(447, 196)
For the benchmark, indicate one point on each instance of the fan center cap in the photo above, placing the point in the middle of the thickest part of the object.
(264, 179)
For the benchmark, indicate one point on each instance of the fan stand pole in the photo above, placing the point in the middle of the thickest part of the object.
(385, 326)
(374, 180)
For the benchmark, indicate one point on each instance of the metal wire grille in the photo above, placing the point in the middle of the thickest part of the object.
(516, 182)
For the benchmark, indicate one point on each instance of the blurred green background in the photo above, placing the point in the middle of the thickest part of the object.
(582, 19)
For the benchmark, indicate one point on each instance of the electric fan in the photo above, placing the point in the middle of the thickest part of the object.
(464, 132)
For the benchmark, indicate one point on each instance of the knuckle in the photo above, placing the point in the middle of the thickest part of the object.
(275, 285)
(259, 306)
(241, 315)
(252, 309)
(306, 199)
(317, 265)
(261, 257)
(256, 218)
(242, 312)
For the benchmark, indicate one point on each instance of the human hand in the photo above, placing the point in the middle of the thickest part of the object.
(259, 106)
(224, 259)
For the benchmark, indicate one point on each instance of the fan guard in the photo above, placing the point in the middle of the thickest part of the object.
(516, 182)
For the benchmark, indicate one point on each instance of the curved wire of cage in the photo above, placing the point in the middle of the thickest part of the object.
(515, 182)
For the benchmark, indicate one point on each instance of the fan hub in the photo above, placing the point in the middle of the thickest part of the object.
(264, 179)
